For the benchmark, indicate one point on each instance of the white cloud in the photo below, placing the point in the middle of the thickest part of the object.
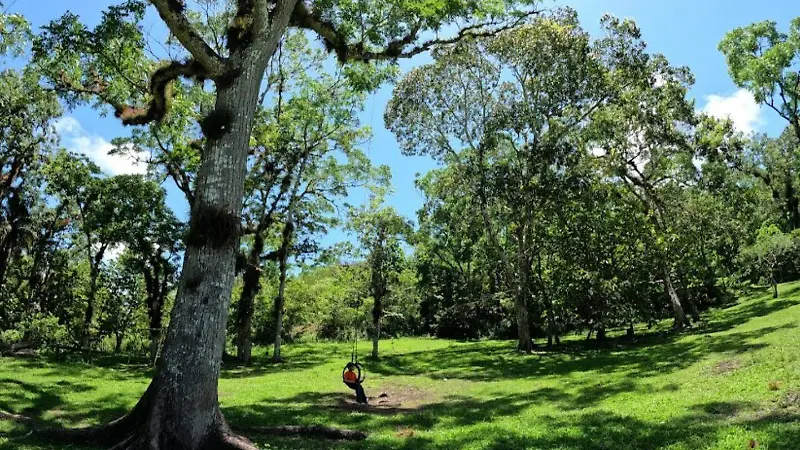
(75, 138)
(740, 107)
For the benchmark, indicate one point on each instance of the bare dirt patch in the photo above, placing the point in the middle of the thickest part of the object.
(790, 400)
(727, 366)
(404, 432)
(390, 399)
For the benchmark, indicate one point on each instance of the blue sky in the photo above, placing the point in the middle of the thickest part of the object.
(686, 31)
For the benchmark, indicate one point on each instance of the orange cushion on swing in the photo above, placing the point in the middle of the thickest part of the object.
(350, 377)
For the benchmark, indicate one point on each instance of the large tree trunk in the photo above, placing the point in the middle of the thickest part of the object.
(677, 308)
(180, 409)
(183, 410)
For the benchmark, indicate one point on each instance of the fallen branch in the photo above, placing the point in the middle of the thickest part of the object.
(314, 431)
(14, 417)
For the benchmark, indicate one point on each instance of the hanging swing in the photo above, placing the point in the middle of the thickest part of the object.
(353, 373)
(354, 366)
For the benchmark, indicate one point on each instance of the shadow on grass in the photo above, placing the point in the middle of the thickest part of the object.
(645, 357)
(40, 399)
(700, 427)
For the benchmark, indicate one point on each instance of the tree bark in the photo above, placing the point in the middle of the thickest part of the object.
(184, 413)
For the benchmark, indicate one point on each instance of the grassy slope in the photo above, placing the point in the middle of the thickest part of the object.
(707, 389)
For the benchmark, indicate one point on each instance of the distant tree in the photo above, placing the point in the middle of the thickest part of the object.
(153, 237)
(769, 253)
(122, 310)
(380, 231)
(508, 111)
(643, 139)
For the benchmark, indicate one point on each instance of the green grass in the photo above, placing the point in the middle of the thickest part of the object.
(708, 388)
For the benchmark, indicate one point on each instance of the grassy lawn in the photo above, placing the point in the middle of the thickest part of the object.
(734, 379)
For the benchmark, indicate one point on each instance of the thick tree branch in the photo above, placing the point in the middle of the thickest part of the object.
(171, 12)
(306, 18)
(159, 90)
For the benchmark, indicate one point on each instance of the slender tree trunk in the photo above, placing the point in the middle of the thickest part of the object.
(283, 264)
(88, 315)
(156, 313)
(156, 293)
(774, 286)
(5, 256)
(525, 342)
(280, 301)
(283, 255)
(118, 344)
(377, 312)
(677, 308)
(244, 312)
(552, 331)
(692, 305)
(601, 333)
(694, 313)
(244, 322)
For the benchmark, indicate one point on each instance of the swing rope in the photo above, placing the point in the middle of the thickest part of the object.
(354, 353)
